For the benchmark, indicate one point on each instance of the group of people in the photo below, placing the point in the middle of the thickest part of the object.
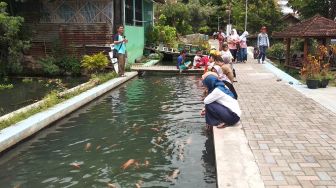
(236, 44)
(221, 105)
(220, 98)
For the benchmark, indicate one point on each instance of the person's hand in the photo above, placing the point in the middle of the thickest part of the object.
(125, 41)
(203, 112)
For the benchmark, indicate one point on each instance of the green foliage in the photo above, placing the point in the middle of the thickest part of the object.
(101, 78)
(10, 27)
(204, 29)
(309, 8)
(187, 18)
(70, 64)
(260, 13)
(49, 66)
(27, 80)
(204, 15)
(95, 63)
(162, 34)
(6, 86)
(277, 50)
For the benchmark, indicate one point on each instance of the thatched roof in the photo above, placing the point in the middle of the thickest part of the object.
(317, 27)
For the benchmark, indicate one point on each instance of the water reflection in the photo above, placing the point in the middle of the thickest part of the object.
(147, 132)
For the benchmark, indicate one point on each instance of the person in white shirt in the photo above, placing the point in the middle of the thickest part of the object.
(221, 109)
(226, 52)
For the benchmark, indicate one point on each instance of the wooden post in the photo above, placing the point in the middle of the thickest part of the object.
(288, 52)
(305, 48)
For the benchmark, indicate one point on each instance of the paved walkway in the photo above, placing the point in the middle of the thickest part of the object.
(292, 137)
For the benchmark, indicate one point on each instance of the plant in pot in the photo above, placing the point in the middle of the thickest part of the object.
(324, 56)
(325, 75)
(311, 72)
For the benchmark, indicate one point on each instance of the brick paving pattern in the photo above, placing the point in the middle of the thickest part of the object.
(292, 137)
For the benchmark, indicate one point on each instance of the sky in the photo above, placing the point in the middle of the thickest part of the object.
(285, 9)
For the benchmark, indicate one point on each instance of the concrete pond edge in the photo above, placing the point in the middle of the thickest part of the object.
(14, 134)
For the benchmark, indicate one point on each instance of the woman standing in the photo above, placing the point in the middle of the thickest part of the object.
(221, 38)
(233, 40)
(221, 109)
(243, 47)
(263, 44)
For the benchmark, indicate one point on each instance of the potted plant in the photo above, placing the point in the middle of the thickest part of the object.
(311, 72)
(325, 75)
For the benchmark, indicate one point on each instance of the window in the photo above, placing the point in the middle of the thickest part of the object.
(129, 16)
(138, 12)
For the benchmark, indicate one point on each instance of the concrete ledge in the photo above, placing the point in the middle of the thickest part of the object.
(18, 132)
(235, 163)
(37, 104)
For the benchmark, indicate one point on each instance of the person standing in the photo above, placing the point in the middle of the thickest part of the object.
(120, 45)
(221, 38)
(233, 40)
(263, 44)
(243, 47)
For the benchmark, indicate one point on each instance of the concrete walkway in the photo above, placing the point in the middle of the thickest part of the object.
(292, 137)
(290, 131)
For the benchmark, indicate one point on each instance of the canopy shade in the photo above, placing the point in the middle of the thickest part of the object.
(315, 27)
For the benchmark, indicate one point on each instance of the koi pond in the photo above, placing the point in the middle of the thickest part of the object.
(26, 91)
(146, 133)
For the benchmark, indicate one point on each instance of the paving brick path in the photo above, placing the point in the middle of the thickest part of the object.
(292, 138)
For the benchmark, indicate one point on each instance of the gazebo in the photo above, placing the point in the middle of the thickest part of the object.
(317, 27)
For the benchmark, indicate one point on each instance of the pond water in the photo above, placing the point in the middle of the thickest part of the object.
(154, 120)
(30, 90)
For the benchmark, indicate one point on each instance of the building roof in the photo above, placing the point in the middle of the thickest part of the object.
(290, 16)
(317, 26)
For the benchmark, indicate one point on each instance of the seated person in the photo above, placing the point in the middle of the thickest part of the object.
(181, 64)
(221, 109)
(198, 60)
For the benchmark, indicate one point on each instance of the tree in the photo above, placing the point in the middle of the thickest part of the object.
(176, 15)
(309, 8)
(11, 42)
(260, 13)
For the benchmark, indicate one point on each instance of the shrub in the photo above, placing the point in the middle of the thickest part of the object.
(277, 51)
(95, 62)
(6, 86)
(70, 64)
(162, 34)
(49, 66)
(27, 80)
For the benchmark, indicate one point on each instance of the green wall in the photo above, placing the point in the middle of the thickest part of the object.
(136, 34)
(136, 42)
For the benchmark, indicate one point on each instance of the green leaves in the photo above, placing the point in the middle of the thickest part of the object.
(95, 62)
(309, 8)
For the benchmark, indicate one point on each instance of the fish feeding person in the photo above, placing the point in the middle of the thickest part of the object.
(221, 109)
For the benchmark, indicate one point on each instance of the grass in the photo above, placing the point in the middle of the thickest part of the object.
(27, 80)
(55, 97)
(292, 72)
(6, 86)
